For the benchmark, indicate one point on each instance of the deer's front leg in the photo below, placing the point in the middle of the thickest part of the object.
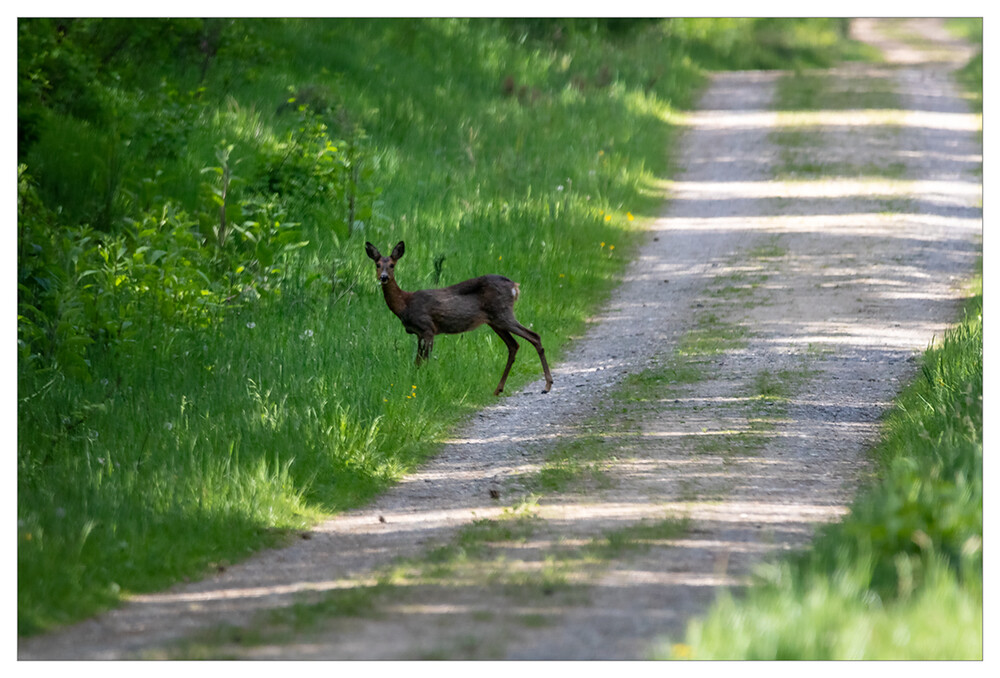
(424, 345)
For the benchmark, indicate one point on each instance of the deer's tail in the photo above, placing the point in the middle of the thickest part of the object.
(516, 291)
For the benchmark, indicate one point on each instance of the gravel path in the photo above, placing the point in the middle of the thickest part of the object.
(833, 284)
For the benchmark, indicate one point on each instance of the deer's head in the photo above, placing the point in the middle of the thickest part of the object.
(385, 266)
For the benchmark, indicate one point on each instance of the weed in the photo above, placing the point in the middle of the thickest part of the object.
(661, 382)
(640, 536)
(582, 460)
(712, 335)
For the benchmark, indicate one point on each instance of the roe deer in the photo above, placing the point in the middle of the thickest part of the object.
(488, 299)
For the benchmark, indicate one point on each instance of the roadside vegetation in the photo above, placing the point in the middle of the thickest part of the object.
(205, 362)
(971, 75)
(902, 576)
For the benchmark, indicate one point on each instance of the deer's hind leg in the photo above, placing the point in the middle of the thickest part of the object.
(511, 352)
(536, 341)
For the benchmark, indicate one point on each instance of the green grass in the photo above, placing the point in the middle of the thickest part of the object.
(169, 420)
(901, 577)
(478, 556)
(640, 536)
(971, 75)
(815, 91)
(820, 91)
(583, 460)
(659, 383)
(712, 335)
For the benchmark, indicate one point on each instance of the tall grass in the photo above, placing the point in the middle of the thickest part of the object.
(902, 576)
(488, 146)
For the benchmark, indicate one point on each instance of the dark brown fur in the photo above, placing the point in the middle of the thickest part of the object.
(486, 300)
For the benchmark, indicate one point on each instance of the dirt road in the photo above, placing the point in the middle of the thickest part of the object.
(722, 402)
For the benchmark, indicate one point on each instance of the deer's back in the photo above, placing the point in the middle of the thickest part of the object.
(461, 307)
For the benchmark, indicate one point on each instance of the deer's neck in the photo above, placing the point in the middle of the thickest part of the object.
(395, 298)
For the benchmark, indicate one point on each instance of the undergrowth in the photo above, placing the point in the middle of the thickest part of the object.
(205, 362)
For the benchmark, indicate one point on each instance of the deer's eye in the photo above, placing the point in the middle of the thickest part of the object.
(392, 265)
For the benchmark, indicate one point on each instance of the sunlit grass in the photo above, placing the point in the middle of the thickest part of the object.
(191, 447)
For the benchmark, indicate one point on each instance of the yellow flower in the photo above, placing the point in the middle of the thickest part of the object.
(607, 217)
(500, 258)
(630, 217)
(602, 244)
(562, 275)
(682, 651)
(611, 247)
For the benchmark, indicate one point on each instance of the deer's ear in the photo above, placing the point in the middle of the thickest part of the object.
(397, 251)
(372, 252)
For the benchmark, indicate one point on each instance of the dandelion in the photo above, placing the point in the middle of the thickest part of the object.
(500, 258)
(630, 217)
(611, 247)
(607, 217)
(562, 275)
(682, 651)
(602, 245)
